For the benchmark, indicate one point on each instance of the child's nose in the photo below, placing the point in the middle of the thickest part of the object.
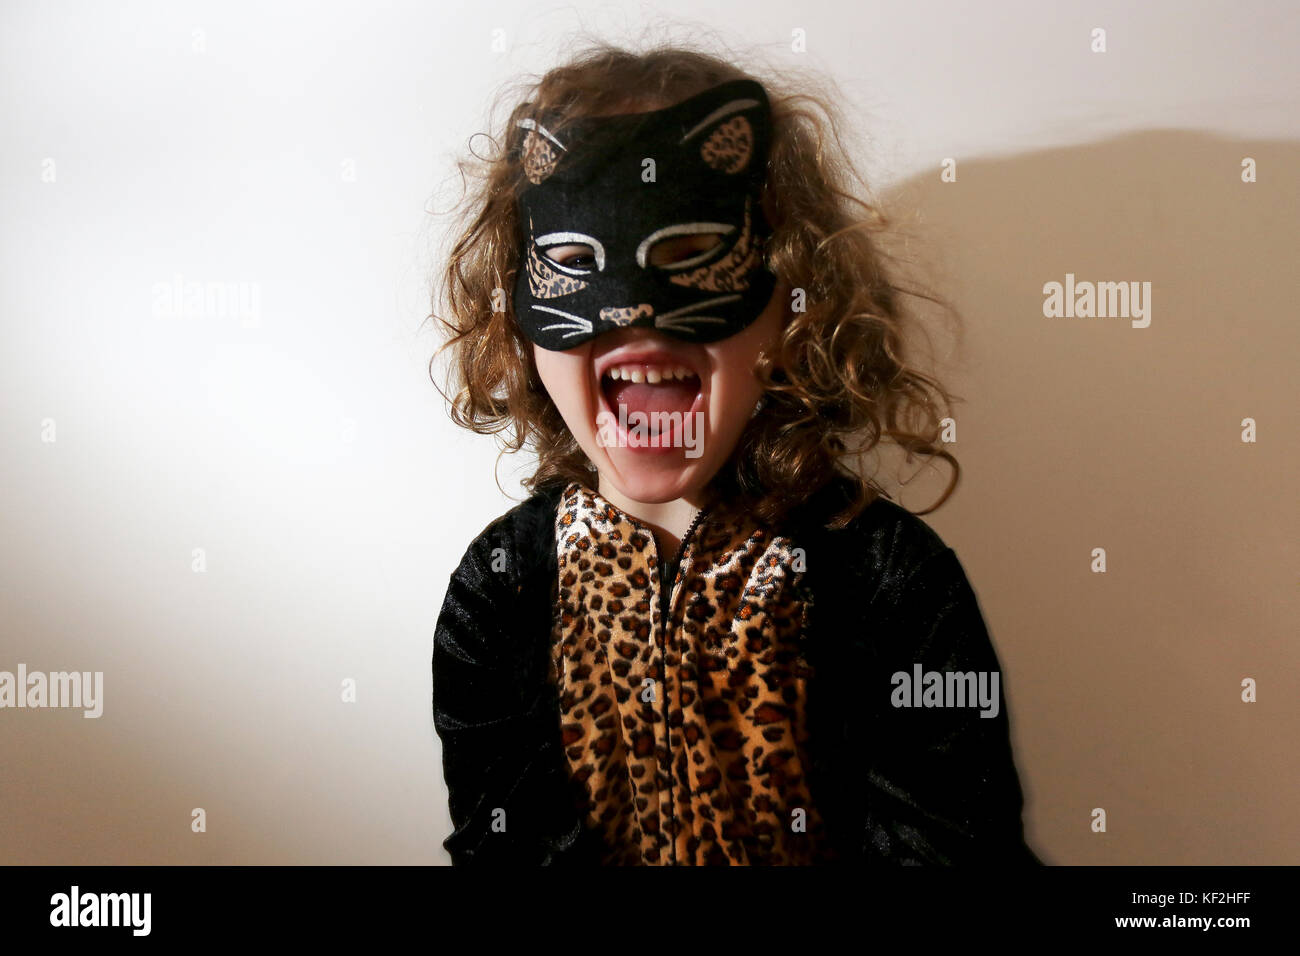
(634, 335)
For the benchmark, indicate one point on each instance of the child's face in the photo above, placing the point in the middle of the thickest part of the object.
(595, 386)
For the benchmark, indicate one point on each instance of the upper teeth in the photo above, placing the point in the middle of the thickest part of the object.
(648, 373)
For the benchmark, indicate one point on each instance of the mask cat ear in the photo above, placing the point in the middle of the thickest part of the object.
(732, 137)
(538, 150)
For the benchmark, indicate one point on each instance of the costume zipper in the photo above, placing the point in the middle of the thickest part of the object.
(665, 593)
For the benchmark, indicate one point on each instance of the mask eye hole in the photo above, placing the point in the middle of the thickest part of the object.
(682, 251)
(685, 245)
(574, 256)
(571, 252)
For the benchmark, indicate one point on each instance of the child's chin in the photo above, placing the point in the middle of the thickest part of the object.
(655, 478)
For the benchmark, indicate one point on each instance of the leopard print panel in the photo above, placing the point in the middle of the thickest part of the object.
(685, 742)
(731, 272)
(730, 146)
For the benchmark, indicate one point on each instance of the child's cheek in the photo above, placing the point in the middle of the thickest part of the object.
(567, 377)
(735, 389)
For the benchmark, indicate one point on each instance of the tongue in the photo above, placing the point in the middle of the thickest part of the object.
(675, 396)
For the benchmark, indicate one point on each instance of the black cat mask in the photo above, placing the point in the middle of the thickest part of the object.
(621, 184)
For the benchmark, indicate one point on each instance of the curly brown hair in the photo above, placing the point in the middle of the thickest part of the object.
(837, 382)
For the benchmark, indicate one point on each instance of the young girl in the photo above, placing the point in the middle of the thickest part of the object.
(703, 640)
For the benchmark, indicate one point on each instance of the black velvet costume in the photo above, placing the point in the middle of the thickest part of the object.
(894, 785)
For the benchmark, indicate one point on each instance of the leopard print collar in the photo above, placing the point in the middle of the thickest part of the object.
(684, 731)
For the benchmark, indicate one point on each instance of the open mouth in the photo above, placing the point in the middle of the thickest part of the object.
(657, 394)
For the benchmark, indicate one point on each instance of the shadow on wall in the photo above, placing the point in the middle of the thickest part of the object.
(1083, 433)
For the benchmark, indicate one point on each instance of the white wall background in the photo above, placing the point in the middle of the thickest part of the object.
(307, 452)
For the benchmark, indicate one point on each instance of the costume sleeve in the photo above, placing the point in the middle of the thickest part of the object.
(942, 783)
(500, 754)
